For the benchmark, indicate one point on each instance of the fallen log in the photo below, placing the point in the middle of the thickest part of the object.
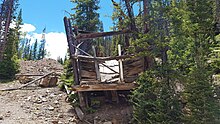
(29, 83)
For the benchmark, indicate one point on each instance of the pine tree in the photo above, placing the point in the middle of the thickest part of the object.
(42, 51)
(9, 66)
(27, 49)
(86, 16)
(203, 106)
(156, 99)
(35, 50)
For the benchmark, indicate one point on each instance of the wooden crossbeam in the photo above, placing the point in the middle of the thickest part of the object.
(104, 87)
(29, 75)
(101, 34)
(91, 58)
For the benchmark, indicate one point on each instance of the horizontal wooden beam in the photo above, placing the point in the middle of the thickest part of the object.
(104, 87)
(101, 34)
(90, 58)
(29, 75)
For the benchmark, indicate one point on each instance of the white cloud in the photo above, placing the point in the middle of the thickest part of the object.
(27, 28)
(56, 42)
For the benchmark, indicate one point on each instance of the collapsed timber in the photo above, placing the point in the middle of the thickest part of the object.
(100, 73)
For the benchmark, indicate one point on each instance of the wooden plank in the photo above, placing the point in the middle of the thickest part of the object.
(89, 81)
(90, 58)
(29, 75)
(130, 79)
(90, 66)
(98, 76)
(133, 71)
(82, 101)
(135, 64)
(101, 34)
(71, 43)
(132, 60)
(120, 65)
(89, 74)
(104, 87)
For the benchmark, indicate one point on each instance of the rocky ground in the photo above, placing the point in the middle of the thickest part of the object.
(40, 66)
(38, 105)
(35, 105)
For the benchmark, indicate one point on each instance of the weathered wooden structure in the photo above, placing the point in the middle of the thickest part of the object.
(92, 73)
(5, 19)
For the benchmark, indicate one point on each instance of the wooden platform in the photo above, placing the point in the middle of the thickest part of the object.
(104, 87)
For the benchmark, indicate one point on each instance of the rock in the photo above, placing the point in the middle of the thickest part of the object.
(8, 114)
(44, 99)
(51, 108)
(60, 116)
(56, 102)
(1, 117)
(53, 81)
(108, 122)
(38, 101)
(48, 91)
(60, 122)
(55, 122)
(52, 95)
(45, 82)
(29, 98)
(96, 120)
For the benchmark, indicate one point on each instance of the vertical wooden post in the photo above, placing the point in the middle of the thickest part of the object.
(120, 65)
(115, 98)
(98, 76)
(71, 41)
(83, 99)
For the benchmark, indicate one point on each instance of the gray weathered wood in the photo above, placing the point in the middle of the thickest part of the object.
(71, 43)
(101, 59)
(120, 65)
(79, 113)
(104, 87)
(98, 76)
(101, 34)
(29, 75)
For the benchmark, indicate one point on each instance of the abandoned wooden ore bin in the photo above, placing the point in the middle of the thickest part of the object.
(92, 73)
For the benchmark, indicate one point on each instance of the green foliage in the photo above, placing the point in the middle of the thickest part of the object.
(35, 50)
(199, 92)
(60, 60)
(186, 28)
(154, 101)
(9, 66)
(86, 16)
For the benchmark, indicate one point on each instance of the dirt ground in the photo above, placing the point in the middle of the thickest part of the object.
(37, 105)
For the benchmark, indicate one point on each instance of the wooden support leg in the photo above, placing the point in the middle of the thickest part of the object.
(107, 96)
(114, 96)
(83, 99)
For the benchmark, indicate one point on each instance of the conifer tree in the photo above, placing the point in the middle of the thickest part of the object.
(203, 106)
(35, 50)
(9, 66)
(86, 16)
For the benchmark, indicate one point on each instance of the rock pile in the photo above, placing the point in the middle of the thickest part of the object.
(30, 70)
(40, 67)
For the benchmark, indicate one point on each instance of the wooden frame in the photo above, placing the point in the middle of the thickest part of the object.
(104, 87)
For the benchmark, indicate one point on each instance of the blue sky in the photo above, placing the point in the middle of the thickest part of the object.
(50, 13)
(38, 14)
